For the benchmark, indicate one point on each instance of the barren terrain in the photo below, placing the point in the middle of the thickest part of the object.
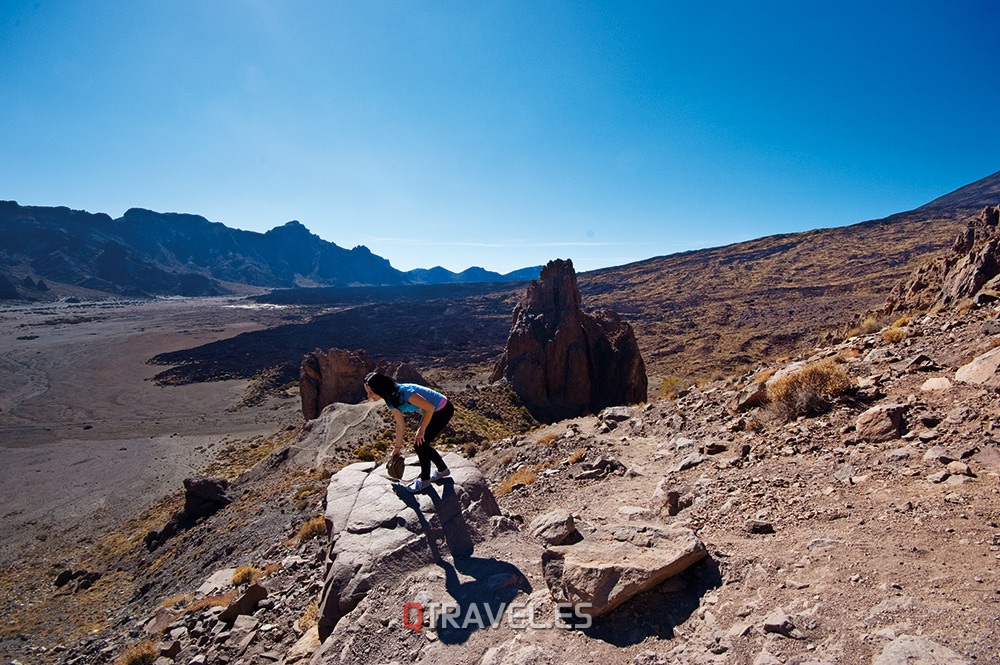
(857, 543)
(86, 438)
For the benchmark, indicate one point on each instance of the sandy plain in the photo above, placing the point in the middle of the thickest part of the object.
(87, 438)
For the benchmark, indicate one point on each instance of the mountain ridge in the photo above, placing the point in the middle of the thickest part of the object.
(152, 253)
(147, 253)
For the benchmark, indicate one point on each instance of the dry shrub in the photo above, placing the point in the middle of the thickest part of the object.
(902, 322)
(143, 653)
(548, 439)
(893, 335)
(809, 391)
(671, 387)
(247, 575)
(222, 600)
(576, 456)
(312, 528)
(867, 326)
(849, 354)
(308, 618)
(306, 496)
(523, 476)
(763, 375)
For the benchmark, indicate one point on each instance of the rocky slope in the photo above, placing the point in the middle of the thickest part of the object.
(861, 532)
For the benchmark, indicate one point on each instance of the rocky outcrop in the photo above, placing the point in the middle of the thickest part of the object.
(337, 375)
(203, 497)
(969, 271)
(379, 531)
(563, 362)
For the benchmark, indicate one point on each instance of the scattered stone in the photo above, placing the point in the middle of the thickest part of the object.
(759, 527)
(982, 370)
(246, 603)
(881, 423)
(938, 383)
(957, 468)
(554, 527)
(779, 622)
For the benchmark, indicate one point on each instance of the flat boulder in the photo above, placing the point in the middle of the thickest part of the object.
(600, 573)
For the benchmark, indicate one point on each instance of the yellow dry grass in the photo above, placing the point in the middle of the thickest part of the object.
(523, 476)
(808, 391)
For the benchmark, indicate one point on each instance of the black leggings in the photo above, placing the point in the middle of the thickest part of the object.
(426, 453)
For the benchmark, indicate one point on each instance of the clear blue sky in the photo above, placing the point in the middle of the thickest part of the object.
(500, 134)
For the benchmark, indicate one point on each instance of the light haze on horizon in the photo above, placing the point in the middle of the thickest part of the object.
(500, 134)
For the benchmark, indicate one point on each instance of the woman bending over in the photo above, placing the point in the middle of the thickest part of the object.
(435, 410)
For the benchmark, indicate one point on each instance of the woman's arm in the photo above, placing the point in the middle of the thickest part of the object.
(428, 409)
(397, 416)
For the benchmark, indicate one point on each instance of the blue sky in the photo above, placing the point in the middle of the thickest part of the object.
(500, 134)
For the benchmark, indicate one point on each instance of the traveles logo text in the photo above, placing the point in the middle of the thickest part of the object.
(519, 616)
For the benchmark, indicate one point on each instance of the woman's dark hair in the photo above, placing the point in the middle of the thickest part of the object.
(384, 387)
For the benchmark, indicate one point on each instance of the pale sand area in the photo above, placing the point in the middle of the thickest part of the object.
(86, 439)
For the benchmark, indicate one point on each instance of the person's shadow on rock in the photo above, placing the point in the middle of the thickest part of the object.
(480, 602)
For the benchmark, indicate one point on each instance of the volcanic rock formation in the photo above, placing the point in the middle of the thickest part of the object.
(563, 362)
(969, 271)
(338, 375)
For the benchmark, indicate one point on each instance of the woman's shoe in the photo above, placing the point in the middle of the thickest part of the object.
(440, 474)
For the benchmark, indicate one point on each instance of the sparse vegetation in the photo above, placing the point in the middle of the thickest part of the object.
(219, 600)
(548, 439)
(893, 335)
(246, 575)
(373, 451)
(867, 326)
(143, 653)
(309, 616)
(312, 528)
(809, 391)
(576, 456)
(306, 495)
(671, 387)
(523, 476)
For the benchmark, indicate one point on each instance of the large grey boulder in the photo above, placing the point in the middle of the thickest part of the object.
(379, 531)
(603, 571)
